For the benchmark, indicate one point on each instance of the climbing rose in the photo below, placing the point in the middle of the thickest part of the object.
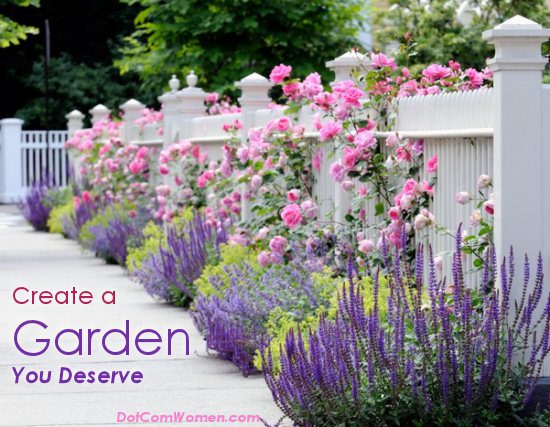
(379, 60)
(291, 215)
(436, 72)
(86, 197)
(329, 130)
(264, 258)
(293, 195)
(310, 209)
(462, 197)
(432, 164)
(366, 246)
(484, 181)
(277, 244)
(489, 207)
(279, 73)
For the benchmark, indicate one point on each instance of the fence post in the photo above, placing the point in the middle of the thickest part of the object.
(192, 104)
(343, 67)
(132, 110)
(11, 179)
(99, 112)
(170, 109)
(254, 96)
(74, 122)
(520, 158)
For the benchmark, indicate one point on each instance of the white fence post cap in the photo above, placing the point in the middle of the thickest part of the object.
(517, 44)
(13, 121)
(99, 108)
(346, 63)
(132, 105)
(254, 80)
(518, 26)
(349, 59)
(75, 114)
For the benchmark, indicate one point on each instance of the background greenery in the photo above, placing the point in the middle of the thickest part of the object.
(107, 51)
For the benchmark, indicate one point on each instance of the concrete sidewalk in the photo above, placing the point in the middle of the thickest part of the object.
(198, 384)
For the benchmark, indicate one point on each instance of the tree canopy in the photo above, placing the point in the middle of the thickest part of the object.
(438, 36)
(12, 32)
(224, 40)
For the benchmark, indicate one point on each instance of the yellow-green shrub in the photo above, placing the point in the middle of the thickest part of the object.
(229, 255)
(154, 238)
(55, 220)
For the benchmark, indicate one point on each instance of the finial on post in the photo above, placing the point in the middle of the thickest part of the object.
(191, 79)
(174, 83)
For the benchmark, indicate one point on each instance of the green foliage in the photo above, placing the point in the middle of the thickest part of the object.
(330, 288)
(12, 32)
(77, 85)
(154, 238)
(230, 255)
(224, 40)
(55, 221)
(437, 36)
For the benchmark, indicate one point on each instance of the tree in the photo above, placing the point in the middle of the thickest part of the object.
(224, 40)
(438, 36)
(12, 32)
(85, 37)
(77, 85)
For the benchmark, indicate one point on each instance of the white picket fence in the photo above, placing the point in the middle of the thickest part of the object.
(503, 132)
(29, 156)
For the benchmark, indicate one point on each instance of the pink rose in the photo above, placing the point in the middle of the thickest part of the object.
(366, 246)
(135, 167)
(379, 60)
(349, 158)
(264, 258)
(436, 72)
(317, 160)
(489, 207)
(163, 169)
(310, 209)
(484, 181)
(432, 164)
(293, 195)
(329, 130)
(76, 202)
(279, 73)
(86, 197)
(462, 197)
(348, 185)
(337, 171)
(393, 213)
(410, 187)
(291, 215)
(392, 140)
(283, 124)
(255, 182)
(277, 244)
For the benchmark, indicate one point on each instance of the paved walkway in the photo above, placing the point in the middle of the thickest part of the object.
(198, 384)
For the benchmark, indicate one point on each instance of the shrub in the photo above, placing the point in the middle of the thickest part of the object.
(153, 238)
(168, 265)
(112, 230)
(445, 362)
(234, 316)
(55, 219)
(39, 201)
(74, 219)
